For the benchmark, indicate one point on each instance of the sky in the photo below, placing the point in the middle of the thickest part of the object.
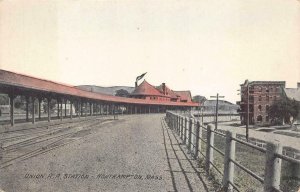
(206, 46)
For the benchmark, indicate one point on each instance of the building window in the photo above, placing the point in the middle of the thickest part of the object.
(268, 98)
(267, 118)
(259, 107)
(267, 108)
(259, 118)
(259, 98)
(260, 89)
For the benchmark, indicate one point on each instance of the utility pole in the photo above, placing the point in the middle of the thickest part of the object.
(247, 124)
(217, 107)
(246, 114)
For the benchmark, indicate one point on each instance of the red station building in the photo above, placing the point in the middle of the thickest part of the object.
(160, 93)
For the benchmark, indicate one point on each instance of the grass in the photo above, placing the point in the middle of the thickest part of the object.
(253, 160)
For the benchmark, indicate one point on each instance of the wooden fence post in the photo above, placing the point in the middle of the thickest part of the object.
(177, 123)
(185, 130)
(228, 164)
(197, 131)
(181, 129)
(209, 149)
(190, 135)
(174, 121)
(200, 137)
(272, 167)
(174, 127)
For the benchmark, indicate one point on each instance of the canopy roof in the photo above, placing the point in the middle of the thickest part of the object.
(23, 83)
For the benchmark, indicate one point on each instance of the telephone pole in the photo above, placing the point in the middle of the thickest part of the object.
(247, 125)
(217, 109)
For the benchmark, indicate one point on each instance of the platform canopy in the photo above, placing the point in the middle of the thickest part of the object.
(11, 82)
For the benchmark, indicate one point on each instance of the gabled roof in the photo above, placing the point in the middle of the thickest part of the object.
(184, 95)
(169, 92)
(146, 89)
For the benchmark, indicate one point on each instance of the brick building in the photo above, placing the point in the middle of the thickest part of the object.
(260, 95)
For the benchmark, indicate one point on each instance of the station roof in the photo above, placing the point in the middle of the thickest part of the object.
(169, 92)
(184, 95)
(13, 80)
(146, 89)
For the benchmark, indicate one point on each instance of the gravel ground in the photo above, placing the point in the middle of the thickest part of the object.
(134, 153)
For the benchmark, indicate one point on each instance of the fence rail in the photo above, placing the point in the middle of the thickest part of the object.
(191, 133)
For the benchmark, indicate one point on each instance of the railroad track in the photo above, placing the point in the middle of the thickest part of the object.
(40, 133)
(37, 129)
(38, 144)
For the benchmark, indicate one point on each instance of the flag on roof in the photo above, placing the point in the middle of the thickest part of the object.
(140, 77)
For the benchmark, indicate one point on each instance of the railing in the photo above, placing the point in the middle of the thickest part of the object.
(193, 138)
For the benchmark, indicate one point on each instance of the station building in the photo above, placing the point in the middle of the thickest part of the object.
(160, 93)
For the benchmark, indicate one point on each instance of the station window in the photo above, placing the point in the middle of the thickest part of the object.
(259, 107)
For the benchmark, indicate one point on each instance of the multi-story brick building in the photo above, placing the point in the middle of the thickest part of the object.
(259, 96)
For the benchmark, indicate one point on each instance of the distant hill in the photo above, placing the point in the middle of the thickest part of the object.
(104, 90)
(224, 106)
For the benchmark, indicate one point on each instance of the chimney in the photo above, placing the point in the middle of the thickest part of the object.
(164, 88)
(136, 84)
(298, 85)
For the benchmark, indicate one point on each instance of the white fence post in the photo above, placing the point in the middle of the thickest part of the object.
(272, 167)
(209, 149)
(190, 135)
(181, 129)
(197, 131)
(228, 164)
(178, 124)
(185, 130)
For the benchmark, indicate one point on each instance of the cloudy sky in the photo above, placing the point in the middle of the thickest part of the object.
(206, 46)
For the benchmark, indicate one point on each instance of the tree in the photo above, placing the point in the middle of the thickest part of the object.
(122, 93)
(199, 99)
(285, 110)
